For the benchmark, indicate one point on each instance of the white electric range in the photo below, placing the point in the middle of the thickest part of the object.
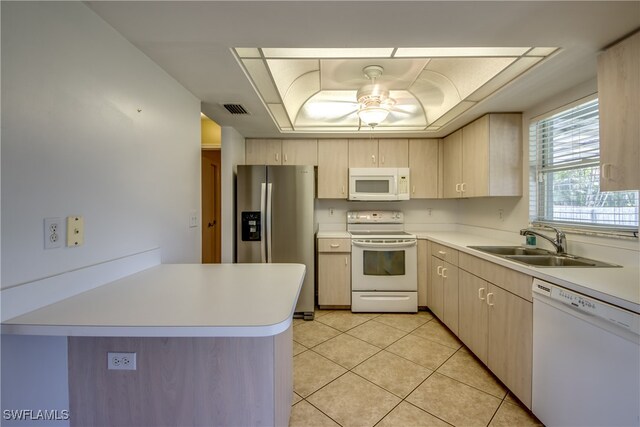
(384, 263)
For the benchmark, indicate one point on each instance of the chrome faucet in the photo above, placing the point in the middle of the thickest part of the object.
(560, 242)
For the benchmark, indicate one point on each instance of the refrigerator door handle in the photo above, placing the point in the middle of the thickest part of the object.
(269, 202)
(263, 243)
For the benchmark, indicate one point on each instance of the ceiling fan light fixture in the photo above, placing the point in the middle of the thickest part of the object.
(373, 115)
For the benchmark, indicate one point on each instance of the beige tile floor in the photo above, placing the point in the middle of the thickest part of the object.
(393, 370)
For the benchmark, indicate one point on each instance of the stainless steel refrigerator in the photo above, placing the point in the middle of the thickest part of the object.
(275, 222)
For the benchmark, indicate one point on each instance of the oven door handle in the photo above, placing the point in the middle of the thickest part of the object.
(384, 245)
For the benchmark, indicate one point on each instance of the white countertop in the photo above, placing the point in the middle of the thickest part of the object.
(176, 300)
(617, 286)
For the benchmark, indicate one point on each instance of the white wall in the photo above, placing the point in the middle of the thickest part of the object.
(232, 155)
(73, 143)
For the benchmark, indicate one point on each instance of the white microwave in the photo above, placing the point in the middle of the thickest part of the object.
(377, 184)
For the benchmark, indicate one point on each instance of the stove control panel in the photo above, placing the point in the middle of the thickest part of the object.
(373, 217)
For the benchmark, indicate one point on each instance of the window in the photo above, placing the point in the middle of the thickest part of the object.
(564, 154)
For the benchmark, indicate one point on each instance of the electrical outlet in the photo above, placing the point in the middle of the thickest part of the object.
(330, 211)
(52, 233)
(75, 230)
(121, 361)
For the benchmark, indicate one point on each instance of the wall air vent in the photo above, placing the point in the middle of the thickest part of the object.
(235, 109)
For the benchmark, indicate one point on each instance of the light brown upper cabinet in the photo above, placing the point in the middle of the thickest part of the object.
(619, 99)
(484, 158)
(333, 168)
(263, 152)
(300, 152)
(384, 153)
(423, 164)
(281, 152)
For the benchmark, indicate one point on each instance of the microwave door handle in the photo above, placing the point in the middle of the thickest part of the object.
(263, 223)
(384, 245)
(269, 213)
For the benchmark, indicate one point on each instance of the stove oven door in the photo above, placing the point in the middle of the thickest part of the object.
(384, 265)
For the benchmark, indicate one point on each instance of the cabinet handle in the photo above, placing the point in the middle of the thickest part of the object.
(463, 187)
(413, 191)
(335, 245)
(442, 253)
(605, 170)
(346, 261)
(382, 159)
(481, 292)
(444, 270)
(439, 270)
(489, 299)
(343, 189)
(277, 157)
(373, 159)
(458, 188)
(285, 158)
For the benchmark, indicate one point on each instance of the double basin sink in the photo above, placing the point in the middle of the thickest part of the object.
(540, 258)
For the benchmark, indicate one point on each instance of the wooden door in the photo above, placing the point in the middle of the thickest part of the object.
(263, 152)
(473, 314)
(450, 296)
(423, 164)
(510, 343)
(300, 152)
(333, 168)
(334, 279)
(452, 165)
(618, 89)
(475, 158)
(437, 293)
(393, 153)
(363, 153)
(211, 231)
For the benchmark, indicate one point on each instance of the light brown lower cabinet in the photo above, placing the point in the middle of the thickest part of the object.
(444, 292)
(497, 326)
(334, 272)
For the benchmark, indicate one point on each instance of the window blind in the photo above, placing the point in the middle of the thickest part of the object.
(565, 175)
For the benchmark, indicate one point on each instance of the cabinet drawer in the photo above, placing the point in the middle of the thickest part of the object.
(510, 280)
(334, 245)
(445, 253)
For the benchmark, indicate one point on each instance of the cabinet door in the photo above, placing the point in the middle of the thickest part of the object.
(334, 279)
(363, 153)
(422, 272)
(393, 153)
(300, 152)
(333, 168)
(263, 151)
(450, 296)
(452, 165)
(437, 292)
(473, 315)
(510, 343)
(475, 158)
(618, 89)
(423, 164)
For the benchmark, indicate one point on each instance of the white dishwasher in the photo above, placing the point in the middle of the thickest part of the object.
(586, 360)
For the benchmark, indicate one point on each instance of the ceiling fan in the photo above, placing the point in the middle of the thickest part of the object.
(371, 104)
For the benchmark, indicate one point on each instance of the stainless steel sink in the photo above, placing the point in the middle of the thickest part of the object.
(510, 250)
(558, 261)
(540, 258)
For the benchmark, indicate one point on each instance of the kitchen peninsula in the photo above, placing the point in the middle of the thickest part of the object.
(213, 345)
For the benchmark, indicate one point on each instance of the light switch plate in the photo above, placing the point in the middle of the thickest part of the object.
(75, 231)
